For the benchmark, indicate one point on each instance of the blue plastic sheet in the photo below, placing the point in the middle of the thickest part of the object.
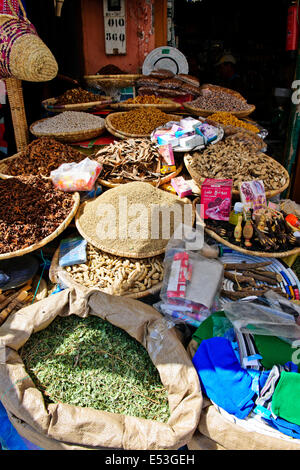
(9, 437)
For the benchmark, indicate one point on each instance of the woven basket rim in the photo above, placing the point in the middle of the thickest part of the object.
(111, 128)
(50, 105)
(123, 254)
(235, 192)
(49, 238)
(166, 105)
(73, 136)
(206, 112)
(55, 268)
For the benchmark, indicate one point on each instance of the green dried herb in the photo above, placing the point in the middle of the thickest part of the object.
(91, 363)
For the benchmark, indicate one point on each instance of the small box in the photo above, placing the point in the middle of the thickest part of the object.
(189, 123)
(181, 187)
(208, 131)
(216, 199)
(191, 141)
(168, 139)
(253, 195)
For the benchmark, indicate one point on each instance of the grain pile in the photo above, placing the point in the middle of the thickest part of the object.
(91, 363)
(130, 160)
(31, 209)
(115, 275)
(228, 119)
(219, 99)
(146, 99)
(236, 161)
(127, 221)
(68, 121)
(41, 157)
(139, 121)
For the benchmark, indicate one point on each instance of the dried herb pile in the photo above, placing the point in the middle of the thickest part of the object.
(130, 160)
(77, 95)
(91, 363)
(31, 209)
(42, 156)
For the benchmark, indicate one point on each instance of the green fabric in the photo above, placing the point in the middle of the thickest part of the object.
(206, 329)
(274, 351)
(285, 399)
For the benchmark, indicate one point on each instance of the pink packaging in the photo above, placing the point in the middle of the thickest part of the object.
(181, 186)
(216, 199)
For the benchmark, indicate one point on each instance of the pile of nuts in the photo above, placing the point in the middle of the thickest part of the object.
(41, 157)
(146, 99)
(236, 161)
(140, 121)
(116, 275)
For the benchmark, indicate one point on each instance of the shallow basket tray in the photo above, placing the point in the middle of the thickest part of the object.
(68, 137)
(271, 193)
(134, 255)
(55, 270)
(166, 105)
(124, 135)
(49, 238)
(163, 180)
(106, 82)
(50, 105)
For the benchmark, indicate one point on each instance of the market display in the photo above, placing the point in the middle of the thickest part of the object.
(91, 363)
(236, 161)
(40, 157)
(31, 210)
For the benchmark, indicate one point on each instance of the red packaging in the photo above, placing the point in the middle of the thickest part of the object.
(216, 199)
(179, 276)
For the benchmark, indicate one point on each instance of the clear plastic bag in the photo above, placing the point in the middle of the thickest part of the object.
(192, 282)
(76, 176)
(270, 315)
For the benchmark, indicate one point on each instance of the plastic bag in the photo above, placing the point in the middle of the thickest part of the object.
(76, 176)
(185, 270)
(270, 315)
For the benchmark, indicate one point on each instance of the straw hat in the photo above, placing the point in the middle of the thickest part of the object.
(23, 54)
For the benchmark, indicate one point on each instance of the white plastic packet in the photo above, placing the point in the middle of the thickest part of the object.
(76, 176)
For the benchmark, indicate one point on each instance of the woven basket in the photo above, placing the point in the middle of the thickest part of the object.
(271, 193)
(56, 272)
(207, 112)
(166, 105)
(163, 180)
(125, 135)
(50, 237)
(68, 137)
(50, 105)
(111, 83)
(23, 53)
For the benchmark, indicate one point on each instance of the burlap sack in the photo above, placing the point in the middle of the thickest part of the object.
(63, 426)
(217, 432)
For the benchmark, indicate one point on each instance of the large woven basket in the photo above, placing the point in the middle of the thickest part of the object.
(125, 135)
(271, 193)
(57, 272)
(17, 109)
(52, 236)
(214, 88)
(68, 137)
(23, 54)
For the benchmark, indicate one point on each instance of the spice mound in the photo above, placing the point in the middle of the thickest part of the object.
(68, 121)
(129, 160)
(116, 275)
(217, 99)
(233, 160)
(91, 363)
(77, 95)
(228, 119)
(41, 157)
(31, 209)
(134, 220)
(147, 99)
(140, 121)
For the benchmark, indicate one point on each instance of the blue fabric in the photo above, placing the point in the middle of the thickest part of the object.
(290, 429)
(9, 437)
(223, 379)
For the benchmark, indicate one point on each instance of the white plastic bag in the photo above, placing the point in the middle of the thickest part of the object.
(76, 176)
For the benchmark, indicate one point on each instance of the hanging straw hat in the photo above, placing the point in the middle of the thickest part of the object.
(23, 54)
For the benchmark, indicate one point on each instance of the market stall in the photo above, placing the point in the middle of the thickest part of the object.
(148, 271)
